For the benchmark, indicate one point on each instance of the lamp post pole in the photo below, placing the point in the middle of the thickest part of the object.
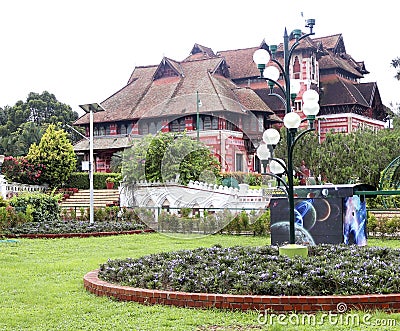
(91, 109)
(292, 120)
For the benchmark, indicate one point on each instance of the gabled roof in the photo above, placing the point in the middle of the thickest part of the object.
(240, 62)
(340, 91)
(200, 52)
(346, 63)
(150, 94)
(332, 43)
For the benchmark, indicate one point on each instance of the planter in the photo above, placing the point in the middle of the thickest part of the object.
(110, 185)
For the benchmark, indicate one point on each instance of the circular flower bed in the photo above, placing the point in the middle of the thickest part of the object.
(329, 270)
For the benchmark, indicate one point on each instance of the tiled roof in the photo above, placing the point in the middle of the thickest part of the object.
(200, 52)
(331, 61)
(144, 97)
(240, 62)
(107, 142)
(339, 91)
(329, 42)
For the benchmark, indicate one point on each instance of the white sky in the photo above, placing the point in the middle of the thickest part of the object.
(83, 51)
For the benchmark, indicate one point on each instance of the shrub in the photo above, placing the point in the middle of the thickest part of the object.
(42, 207)
(20, 170)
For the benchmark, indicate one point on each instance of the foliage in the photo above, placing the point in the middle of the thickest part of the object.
(329, 270)
(167, 156)
(65, 227)
(45, 207)
(222, 221)
(385, 228)
(24, 123)
(80, 180)
(57, 155)
(251, 178)
(19, 169)
(110, 179)
(346, 158)
(396, 64)
(11, 217)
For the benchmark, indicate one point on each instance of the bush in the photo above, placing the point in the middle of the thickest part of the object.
(80, 180)
(45, 207)
(20, 170)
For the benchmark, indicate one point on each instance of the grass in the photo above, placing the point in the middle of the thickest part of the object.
(41, 288)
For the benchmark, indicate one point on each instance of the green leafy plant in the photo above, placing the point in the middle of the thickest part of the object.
(329, 270)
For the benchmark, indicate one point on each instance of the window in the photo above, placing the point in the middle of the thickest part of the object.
(239, 162)
(313, 69)
(174, 126)
(152, 128)
(182, 125)
(214, 123)
(123, 129)
(296, 68)
(207, 123)
(297, 105)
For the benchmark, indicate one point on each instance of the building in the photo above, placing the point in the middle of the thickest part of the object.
(220, 99)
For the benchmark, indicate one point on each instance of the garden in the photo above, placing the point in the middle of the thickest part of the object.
(41, 286)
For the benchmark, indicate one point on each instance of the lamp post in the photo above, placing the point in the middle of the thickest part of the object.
(91, 108)
(292, 120)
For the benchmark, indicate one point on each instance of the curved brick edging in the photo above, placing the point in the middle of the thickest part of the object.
(80, 235)
(281, 304)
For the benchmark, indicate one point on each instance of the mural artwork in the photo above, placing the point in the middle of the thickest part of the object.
(320, 220)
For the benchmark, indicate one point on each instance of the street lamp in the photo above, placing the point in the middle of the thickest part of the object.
(91, 108)
(292, 120)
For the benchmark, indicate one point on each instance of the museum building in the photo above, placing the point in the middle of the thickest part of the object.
(220, 99)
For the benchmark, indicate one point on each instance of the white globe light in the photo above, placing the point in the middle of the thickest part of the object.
(271, 72)
(261, 56)
(276, 168)
(263, 152)
(310, 108)
(295, 86)
(292, 120)
(310, 96)
(271, 136)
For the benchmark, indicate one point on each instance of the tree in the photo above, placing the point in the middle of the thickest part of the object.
(396, 64)
(57, 155)
(25, 122)
(346, 158)
(166, 156)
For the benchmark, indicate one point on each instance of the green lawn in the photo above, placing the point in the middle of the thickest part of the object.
(41, 288)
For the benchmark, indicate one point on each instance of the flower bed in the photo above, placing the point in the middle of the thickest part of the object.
(329, 270)
(73, 229)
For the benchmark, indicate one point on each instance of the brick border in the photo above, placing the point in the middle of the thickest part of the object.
(281, 304)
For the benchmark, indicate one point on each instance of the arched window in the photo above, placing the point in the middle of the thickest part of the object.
(296, 68)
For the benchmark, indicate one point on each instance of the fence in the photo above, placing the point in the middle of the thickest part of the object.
(8, 190)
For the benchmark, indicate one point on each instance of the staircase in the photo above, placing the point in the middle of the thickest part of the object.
(102, 198)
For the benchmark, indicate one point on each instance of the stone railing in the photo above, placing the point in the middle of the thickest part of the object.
(8, 190)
